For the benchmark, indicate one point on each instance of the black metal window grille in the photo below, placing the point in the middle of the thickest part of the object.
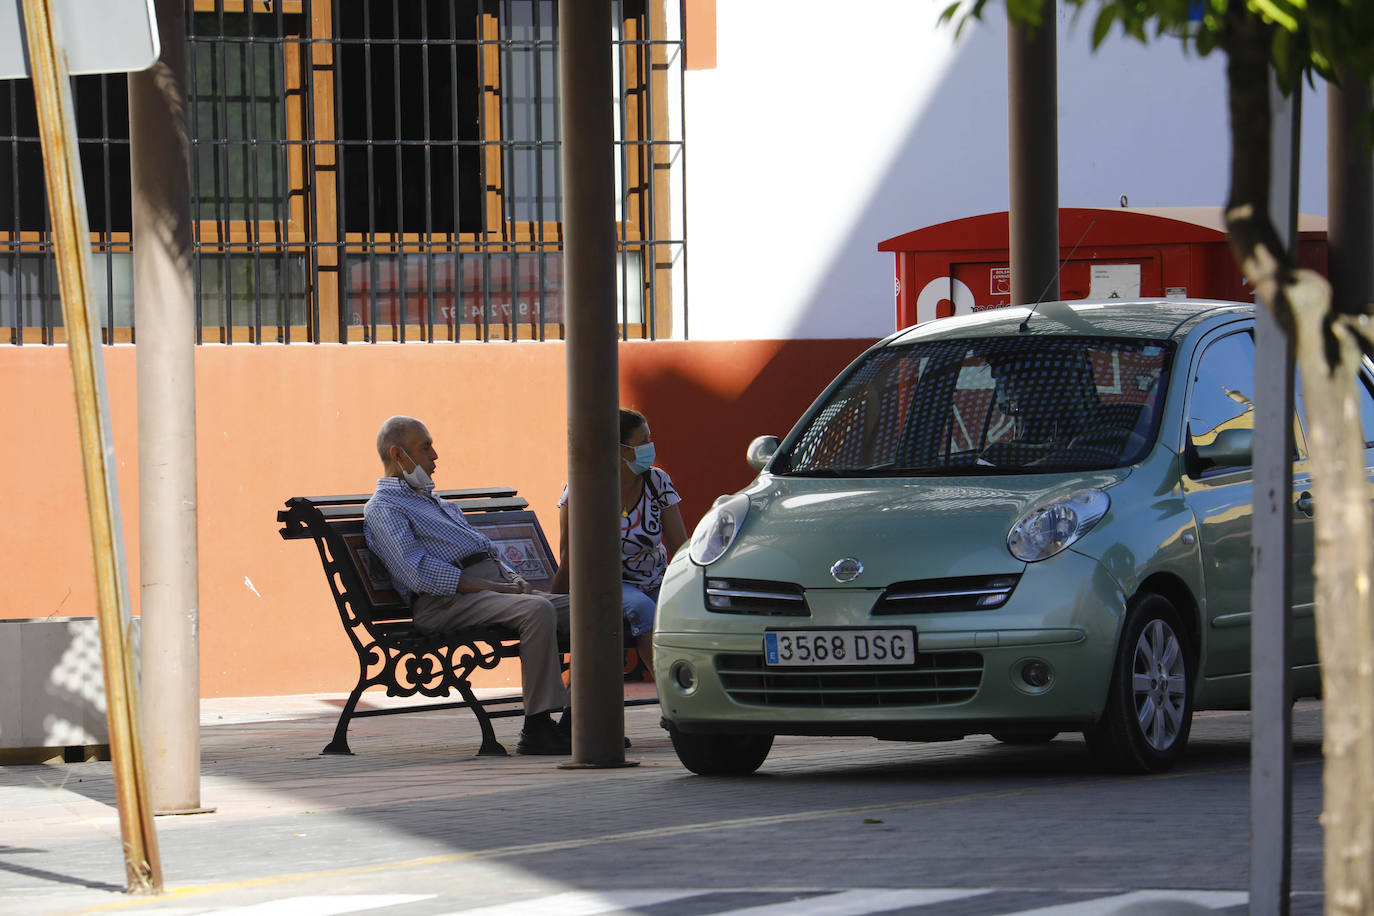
(246, 84)
(368, 170)
(30, 310)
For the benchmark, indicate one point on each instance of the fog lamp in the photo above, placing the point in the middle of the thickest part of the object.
(1036, 673)
(684, 676)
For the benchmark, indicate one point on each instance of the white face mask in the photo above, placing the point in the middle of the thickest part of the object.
(417, 477)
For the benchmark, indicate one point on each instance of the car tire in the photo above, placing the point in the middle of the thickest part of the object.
(1044, 737)
(718, 754)
(1149, 713)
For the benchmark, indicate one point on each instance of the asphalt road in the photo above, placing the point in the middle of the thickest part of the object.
(414, 826)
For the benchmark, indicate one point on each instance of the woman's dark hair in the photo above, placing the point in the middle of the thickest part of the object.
(630, 420)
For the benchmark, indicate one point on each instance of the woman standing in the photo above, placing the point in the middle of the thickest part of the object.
(651, 530)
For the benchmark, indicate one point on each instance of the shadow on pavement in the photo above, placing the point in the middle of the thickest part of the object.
(970, 813)
(44, 875)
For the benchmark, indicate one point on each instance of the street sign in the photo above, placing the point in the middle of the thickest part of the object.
(101, 36)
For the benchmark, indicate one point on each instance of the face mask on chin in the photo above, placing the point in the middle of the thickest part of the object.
(643, 459)
(417, 477)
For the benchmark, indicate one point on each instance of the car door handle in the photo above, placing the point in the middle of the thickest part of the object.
(1304, 504)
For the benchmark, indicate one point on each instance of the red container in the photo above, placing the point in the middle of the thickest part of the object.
(961, 266)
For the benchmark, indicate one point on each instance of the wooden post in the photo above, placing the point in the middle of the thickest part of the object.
(1033, 102)
(598, 688)
(71, 240)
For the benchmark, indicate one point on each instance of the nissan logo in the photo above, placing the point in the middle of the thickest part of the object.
(846, 570)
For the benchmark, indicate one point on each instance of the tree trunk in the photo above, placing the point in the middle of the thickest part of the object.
(1328, 349)
(1329, 354)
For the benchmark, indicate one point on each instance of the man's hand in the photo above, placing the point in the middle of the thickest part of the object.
(515, 586)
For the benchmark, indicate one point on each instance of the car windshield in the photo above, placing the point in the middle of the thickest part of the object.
(1002, 405)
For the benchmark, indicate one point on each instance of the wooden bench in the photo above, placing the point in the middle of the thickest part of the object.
(391, 652)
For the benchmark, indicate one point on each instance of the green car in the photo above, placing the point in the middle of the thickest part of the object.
(1016, 523)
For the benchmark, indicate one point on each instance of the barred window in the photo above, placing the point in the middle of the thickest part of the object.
(409, 81)
(248, 186)
(366, 171)
(237, 85)
(29, 304)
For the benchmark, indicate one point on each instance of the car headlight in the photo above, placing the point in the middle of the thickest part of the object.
(717, 529)
(1046, 530)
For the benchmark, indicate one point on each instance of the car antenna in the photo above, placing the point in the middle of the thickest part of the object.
(1025, 322)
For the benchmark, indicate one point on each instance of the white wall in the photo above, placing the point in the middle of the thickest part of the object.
(826, 128)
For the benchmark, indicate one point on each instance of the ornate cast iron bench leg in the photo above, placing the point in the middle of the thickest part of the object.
(340, 743)
(490, 746)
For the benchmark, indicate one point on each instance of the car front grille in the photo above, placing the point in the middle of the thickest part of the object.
(755, 596)
(959, 593)
(936, 678)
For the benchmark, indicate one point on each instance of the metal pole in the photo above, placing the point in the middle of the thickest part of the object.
(1349, 194)
(598, 690)
(71, 240)
(164, 297)
(1271, 587)
(1033, 101)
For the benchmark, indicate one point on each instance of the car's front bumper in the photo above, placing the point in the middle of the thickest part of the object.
(1064, 613)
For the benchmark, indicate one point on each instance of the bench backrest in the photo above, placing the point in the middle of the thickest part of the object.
(362, 587)
(371, 576)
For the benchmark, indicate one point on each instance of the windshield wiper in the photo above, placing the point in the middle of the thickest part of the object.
(959, 470)
(956, 470)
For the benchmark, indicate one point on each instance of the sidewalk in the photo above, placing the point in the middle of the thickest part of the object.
(261, 762)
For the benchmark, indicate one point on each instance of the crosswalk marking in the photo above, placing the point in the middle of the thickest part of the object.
(855, 903)
(578, 903)
(325, 905)
(850, 902)
(1101, 906)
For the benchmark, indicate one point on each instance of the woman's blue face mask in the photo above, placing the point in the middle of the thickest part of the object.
(643, 459)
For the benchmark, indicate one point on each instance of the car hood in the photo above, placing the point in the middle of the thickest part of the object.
(797, 528)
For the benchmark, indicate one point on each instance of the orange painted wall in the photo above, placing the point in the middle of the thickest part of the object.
(700, 32)
(281, 421)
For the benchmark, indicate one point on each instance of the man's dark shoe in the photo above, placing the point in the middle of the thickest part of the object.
(564, 726)
(543, 738)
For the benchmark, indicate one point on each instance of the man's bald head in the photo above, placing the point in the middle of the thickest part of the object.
(407, 433)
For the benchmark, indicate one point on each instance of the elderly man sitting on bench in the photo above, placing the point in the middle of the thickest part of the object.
(449, 571)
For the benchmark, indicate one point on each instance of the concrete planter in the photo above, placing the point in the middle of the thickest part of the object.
(52, 689)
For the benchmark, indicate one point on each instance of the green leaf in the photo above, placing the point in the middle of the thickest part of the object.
(1323, 66)
(1287, 71)
(1103, 25)
(1206, 41)
(1277, 12)
(1030, 12)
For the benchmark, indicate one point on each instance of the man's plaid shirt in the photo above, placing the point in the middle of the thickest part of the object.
(419, 538)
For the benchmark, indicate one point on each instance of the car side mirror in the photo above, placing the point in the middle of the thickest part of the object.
(761, 451)
(1232, 448)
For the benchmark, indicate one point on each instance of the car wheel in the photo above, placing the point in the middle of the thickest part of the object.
(1150, 700)
(1044, 737)
(716, 754)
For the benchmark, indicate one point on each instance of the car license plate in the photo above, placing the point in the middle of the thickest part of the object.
(839, 647)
